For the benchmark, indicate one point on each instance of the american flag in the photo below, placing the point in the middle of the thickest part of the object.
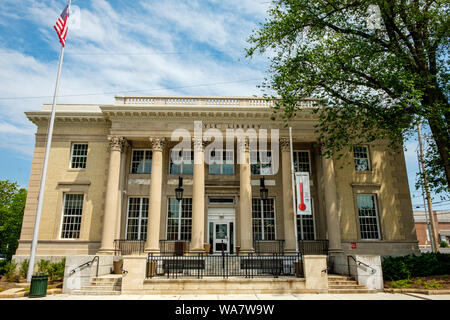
(61, 25)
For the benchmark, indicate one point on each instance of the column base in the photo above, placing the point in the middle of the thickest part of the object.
(106, 251)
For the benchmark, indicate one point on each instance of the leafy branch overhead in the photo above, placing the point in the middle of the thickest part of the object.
(380, 66)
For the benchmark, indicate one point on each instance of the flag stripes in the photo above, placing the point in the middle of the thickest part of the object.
(61, 25)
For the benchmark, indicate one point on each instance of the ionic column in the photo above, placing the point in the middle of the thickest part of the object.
(288, 210)
(245, 199)
(331, 206)
(198, 197)
(154, 213)
(112, 193)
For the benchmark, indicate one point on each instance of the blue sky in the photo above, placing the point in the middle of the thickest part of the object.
(146, 47)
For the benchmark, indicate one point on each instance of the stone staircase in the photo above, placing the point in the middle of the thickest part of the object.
(110, 284)
(343, 284)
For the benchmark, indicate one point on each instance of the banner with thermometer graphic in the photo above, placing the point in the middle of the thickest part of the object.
(303, 193)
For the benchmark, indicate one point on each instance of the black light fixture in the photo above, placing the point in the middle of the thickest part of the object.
(179, 190)
(264, 192)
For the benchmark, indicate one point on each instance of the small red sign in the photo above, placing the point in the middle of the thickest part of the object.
(353, 245)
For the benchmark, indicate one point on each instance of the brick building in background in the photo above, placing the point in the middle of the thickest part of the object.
(442, 223)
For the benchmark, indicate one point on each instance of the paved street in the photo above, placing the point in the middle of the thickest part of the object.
(373, 296)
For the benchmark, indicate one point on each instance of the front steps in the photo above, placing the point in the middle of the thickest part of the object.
(110, 284)
(342, 284)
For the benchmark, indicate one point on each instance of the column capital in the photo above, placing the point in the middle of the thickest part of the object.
(285, 144)
(244, 144)
(158, 144)
(199, 143)
(117, 143)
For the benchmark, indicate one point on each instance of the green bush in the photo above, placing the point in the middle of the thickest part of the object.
(56, 270)
(43, 266)
(2, 266)
(24, 268)
(426, 264)
(10, 271)
(444, 244)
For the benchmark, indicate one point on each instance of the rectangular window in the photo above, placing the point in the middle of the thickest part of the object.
(141, 161)
(223, 164)
(305, 225)
(263, 163)
(137, 219)
(78, 156)
(179, 219)
(302, 161)
(368, 217)
(361, 155)
(263, 212)
(185, 165)
(72, 212)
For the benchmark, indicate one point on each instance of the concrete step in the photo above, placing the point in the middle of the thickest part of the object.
(356, 291)
(346, 286)
(105, 288)
(96, 293)
(338, 282)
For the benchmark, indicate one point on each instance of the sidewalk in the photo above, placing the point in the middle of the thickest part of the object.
(372, 296)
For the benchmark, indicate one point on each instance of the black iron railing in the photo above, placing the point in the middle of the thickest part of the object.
(199, 265)
(174, 247)
(87, 264)
(313, 247)
(269, 246)
(123, 247)
(359, 263)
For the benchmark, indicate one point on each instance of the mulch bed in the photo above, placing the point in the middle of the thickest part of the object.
(428, 283)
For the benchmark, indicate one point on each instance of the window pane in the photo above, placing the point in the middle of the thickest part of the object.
(72, 212)
(301, 161)
(79, 155)
(361, 156)
(263, 222)
(368, 217)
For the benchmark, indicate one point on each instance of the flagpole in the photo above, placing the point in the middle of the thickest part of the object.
(293, 189)
(44, 173)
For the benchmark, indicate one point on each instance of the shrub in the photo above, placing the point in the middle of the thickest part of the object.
(43, 266)
(426, 264)
(10, 271)
(401, 283)
(444, 244)
(56, 270)
(24, 268)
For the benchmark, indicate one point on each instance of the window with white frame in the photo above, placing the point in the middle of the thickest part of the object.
(361, 156)
(302, 162)
(141, 161)
(223, 164)
(263, 220)
(78, 156)
(185, 164)
(179, 219)
(137, 218)
(368, 216)
(263, 162)
(305, 225)
(72, 213)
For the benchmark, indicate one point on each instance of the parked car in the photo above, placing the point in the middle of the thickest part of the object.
(2, 257)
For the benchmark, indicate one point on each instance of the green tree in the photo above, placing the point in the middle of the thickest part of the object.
(12, 205)
(380, 66)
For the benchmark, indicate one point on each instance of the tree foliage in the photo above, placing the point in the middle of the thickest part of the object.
(12, 205)
(377, 66)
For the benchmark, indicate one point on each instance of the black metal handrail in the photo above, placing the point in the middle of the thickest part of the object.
(268, 246)
(358, 263)
(199, 265)
(87, 264)
(123, 247)
(313, 247)
(174, 247)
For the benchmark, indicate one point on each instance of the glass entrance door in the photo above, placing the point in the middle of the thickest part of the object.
(221, 237)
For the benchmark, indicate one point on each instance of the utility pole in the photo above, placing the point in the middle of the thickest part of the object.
(425, 208)
(434, 242)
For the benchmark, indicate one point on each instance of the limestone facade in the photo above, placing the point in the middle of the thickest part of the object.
(112, 132)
